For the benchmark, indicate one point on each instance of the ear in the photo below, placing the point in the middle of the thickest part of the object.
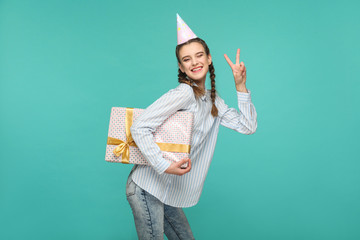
(180, 67)
(209, 59)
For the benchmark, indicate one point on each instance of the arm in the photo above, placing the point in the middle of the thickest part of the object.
(244, 121)
(146, 124)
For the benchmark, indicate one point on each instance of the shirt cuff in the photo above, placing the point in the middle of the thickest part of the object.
(244, 97)
(162, 166)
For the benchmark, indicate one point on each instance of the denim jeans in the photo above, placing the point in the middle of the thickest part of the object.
(154, 218)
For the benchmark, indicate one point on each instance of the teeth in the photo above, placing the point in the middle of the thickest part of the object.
(196, 68)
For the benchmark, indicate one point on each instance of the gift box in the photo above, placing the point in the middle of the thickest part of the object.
(173, 136)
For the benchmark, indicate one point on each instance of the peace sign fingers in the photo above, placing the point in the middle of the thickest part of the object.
(238, 56)
(238, 69)
(228, 60)
(237, 59)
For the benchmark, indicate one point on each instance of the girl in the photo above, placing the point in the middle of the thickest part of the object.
(158, 192)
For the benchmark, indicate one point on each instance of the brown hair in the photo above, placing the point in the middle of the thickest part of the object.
(184, 79)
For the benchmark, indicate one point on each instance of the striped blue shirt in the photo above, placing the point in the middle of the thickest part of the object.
(185, 190)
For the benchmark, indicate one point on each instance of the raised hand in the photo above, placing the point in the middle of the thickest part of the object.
(239, 71)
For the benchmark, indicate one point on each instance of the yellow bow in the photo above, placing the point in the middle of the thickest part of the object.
(124, 147)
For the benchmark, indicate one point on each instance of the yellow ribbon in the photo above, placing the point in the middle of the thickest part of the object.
(124, 147)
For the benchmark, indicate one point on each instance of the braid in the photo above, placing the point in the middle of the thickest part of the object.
(182, 77)
(214, 110)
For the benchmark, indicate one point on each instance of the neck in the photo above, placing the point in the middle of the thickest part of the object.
(200, 83)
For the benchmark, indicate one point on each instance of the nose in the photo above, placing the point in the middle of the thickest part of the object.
(194, 61)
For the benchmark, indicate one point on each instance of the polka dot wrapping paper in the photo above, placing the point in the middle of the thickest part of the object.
(176, 129)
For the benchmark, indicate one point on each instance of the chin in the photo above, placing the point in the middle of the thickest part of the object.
(198, 78)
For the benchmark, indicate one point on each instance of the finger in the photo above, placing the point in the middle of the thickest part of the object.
(187, 169)
(228, 60)
(188, 166)
(182, 161)
(182, 171)
(242, 64)
(238, 56)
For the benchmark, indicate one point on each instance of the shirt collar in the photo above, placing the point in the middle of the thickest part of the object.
(205, 96)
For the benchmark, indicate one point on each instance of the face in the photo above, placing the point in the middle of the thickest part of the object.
(194, 61)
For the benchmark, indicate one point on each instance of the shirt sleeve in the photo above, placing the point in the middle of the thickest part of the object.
(243, 121)
(153, 116)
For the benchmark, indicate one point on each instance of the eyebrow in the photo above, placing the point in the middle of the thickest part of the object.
(189, 55)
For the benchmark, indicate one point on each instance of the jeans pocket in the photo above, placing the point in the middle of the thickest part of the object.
(130, 187)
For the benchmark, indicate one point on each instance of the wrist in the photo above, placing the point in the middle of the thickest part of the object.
(241, 88)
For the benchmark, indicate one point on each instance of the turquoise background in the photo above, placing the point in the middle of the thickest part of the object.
(64, 64)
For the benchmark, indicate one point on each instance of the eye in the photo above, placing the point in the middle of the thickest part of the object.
(185, 60)
(200, 55)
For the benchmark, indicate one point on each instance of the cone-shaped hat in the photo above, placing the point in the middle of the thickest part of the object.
(184, 33)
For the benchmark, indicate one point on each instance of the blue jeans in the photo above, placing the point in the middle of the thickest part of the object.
(154, 218)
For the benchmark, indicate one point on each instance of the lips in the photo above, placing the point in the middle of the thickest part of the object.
(197, 69)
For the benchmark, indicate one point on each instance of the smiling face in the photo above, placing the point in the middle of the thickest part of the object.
(194, 61)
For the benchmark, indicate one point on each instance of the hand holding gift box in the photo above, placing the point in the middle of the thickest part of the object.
(173, 137)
